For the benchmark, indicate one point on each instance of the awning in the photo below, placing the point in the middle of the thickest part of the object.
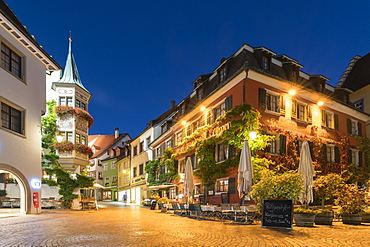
(161, 186)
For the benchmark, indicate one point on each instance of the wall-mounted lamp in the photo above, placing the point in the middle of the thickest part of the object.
(320, 103)
(59, 138)
(253, 135)
(292, 92)
(183, 122)
(202, 108)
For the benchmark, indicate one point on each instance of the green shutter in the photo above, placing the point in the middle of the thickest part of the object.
(231, 151)
(349, 126)
(229, 103)
(359, 158)
(309, 114)
(282, 144)
(336, 154)
(359, 127)
(294, 109)
(231, 189)
(350, 156)
(324, 152)
(262, 98)
(336, 122)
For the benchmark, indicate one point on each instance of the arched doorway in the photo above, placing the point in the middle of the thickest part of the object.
(14, 191)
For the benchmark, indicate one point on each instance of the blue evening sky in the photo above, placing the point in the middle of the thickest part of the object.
(137, 56)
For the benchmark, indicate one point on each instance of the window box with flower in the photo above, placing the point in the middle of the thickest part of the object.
(64, 146)
(83, 149)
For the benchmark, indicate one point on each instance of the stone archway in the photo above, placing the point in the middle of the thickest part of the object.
(24, 188)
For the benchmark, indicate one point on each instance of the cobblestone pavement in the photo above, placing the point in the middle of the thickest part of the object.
(120, 225)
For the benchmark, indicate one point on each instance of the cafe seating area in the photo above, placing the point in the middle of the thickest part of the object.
(226, 213)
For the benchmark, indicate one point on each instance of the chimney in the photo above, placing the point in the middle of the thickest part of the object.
(172, 104)
(116, 133)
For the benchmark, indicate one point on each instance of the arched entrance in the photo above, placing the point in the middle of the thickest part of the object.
(17, 191)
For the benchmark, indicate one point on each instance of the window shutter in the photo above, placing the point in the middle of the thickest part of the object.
(350, 156)
(349, 126)
(294, 109)
(323, 118)
(162, 149)
(359, 158)
(282, 105)
(192, 158)
(282, 144)
(359, 127)
(231, 189)
(231, 151)
(173, 141)
(324, 152)
(309, 114)
(229, 103)
(336, 122)
(336, 154)
(262, 98)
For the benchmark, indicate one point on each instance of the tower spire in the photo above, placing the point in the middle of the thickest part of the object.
(70, 73)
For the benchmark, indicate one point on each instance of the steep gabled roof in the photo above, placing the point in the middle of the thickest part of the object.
(359, 75)
(103, 142)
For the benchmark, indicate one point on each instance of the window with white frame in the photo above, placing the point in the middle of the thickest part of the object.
(209, 118)
(265, 62)
(272, 102)
(179, 137)
(222, 185)
(223, 74)
(301, 111)
(188, 130)
(354, 159)
(67, 135)
(134, 171)
(330, 153)
(200, 93)
(114, 179)
(12, 118)
(328, 119)
(169, 144)
(141, 169)
(126, 165)
(11, 61)
(172, 193)
(198, 189)
(354, 127)
(105, 167)
(106, 181)
(272, 148)
(83, 140)
(66, 101)
(100, 175)
(359, 104)
(147, 142)
(126, 179)
(113, 165)
(78, 138)
(218, 111)
(181, 166)
(222, 152)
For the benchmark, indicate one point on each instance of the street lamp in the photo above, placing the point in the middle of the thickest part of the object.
(253, 135)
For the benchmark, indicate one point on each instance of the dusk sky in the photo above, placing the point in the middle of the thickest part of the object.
(137, 56)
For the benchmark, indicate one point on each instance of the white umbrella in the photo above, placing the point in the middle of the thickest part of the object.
(307, 172)
(245, 171)
(189, 178)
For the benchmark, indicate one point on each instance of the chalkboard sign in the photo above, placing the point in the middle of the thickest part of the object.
(152, 206)
(277, 213)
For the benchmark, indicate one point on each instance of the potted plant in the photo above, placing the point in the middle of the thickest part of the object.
(277, 186)
(352, 201)
(304, 216)
(325, 188)
(162, 202)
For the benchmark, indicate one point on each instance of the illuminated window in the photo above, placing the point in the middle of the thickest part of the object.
(181, 166)
(272, 102)
(330, 153)
(218, 111)
(66, 101)
(265, 62)
(222, 185)
(222, 152)
(179, 136)
(301, 112)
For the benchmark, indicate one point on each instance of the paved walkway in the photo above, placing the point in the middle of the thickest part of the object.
(119, 225)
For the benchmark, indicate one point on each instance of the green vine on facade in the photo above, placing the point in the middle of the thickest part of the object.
(153, 168)
(50, 160)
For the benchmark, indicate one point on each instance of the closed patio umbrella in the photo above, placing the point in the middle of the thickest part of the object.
(245, 171)
(307, 172)
(189, 178)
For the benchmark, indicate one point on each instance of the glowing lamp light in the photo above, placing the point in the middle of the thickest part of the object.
(292, 92)
(253, 135)
(202, 108)
(124, 171)
(36, 183)
(59, 138)
(320, 103)
(183, 122)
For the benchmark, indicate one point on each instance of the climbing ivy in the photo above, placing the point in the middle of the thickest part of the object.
(50, 161)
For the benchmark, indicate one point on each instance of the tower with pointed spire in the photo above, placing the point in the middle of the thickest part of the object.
(73, 119)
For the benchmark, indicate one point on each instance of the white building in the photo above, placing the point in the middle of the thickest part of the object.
(22, 102)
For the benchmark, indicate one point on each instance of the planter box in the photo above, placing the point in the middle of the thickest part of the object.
(304, 219)
(365, 218)
(352, 219)
(324, 219)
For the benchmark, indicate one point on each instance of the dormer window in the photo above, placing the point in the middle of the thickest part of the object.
(200, 93)
(223, 74)
(265, 62)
